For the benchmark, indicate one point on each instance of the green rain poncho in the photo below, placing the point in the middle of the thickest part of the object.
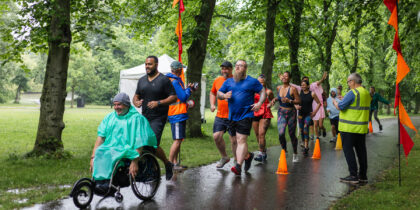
(123, 135)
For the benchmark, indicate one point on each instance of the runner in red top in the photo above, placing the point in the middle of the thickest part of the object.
(261, 120)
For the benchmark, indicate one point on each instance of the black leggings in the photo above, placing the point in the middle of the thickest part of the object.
(375, 114)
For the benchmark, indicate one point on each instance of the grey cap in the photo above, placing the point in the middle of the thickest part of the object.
(123, 98)
(177, 65)
(226, 64)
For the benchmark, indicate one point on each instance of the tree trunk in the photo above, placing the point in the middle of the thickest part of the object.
(270, 25)
(417, 104)
(196, 55)
(355, 36)
(371, 70)
(409, 107)
(294, 40)
(17, 98)
(328, 55)
(294, 63)
(51, 125)
(72, 96)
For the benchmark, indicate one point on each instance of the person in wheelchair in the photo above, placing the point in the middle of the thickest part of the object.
(122, 134)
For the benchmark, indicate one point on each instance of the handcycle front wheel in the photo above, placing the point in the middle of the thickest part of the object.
(147, 181)
(83, 194)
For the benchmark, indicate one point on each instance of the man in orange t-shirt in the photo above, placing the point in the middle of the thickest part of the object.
(221, 121)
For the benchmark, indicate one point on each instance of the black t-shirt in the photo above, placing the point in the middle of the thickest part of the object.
(305, 103)
(157, 89)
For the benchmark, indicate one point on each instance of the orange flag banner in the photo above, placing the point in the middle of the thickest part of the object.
(402, 68)
(174, 3)
(178, 29)
(393, 20)
(404, 118)
(402, 71)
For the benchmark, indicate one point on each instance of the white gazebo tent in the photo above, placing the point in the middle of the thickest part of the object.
(130, 77)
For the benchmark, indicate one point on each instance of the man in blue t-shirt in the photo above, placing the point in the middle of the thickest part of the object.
(240, 91)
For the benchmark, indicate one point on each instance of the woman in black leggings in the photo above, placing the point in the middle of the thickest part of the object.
(306, 113)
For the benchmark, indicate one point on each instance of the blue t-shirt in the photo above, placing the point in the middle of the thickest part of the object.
(242, 97)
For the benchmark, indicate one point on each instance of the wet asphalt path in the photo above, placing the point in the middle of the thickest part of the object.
(310, 184)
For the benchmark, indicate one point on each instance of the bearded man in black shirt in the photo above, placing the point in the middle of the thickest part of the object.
(154, 94)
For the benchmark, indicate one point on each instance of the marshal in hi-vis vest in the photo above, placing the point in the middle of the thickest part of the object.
(177, 107)
(355, 118)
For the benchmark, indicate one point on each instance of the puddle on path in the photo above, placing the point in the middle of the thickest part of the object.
(24, 190)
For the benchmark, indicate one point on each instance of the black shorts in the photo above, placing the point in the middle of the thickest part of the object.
(158, 124)
(243, 127)
(256, 119)
(221, 124)
(334, 122)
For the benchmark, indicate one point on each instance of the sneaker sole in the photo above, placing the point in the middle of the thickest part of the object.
(350, 182)
(221, 165)
(179, 169)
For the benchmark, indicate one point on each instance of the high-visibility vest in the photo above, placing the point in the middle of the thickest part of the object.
(177, 107)
(355, 118)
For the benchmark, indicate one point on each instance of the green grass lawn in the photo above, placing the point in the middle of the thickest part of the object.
(385, 192)
(41, 178)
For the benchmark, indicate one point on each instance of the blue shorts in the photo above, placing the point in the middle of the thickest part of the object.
(221, 124)
(178, 130)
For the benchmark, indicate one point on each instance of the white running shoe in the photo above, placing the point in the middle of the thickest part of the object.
(295, 158)
(222, 162)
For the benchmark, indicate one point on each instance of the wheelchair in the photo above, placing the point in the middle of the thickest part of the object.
(144, 185)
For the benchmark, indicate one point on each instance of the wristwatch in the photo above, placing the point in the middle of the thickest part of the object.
(158, 103)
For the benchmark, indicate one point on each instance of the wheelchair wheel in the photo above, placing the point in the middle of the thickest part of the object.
(147, 181)
(83, 194)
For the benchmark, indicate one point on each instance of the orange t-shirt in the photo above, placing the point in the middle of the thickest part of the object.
(222, 105)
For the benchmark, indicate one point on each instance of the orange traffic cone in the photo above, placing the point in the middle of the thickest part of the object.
(338, 144)
(282, 168)
(317, 150)
(370, 127)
